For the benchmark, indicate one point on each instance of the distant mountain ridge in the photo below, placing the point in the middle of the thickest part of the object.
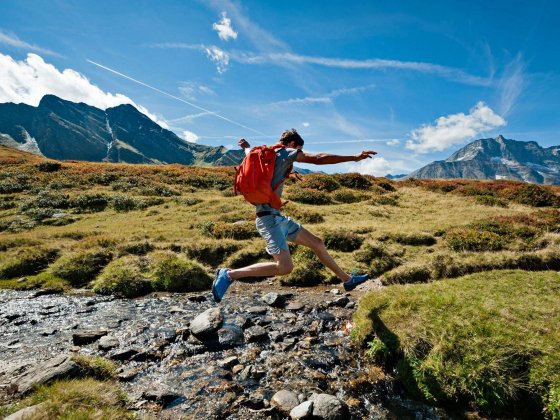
(64, 130)
(498, 158)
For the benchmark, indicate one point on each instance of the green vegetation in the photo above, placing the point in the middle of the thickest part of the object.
(173, 273)
(490, 339)
(308, 270)
(125, 276)
(81, 267)
(26, 261)
(75, 399)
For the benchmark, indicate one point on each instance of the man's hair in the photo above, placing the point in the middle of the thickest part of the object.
(291, 135)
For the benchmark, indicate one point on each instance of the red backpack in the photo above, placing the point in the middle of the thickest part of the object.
(253, 178)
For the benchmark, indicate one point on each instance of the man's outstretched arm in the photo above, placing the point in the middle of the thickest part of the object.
(328, 159)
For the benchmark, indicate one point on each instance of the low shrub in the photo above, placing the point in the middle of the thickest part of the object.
(212, 253)
(135, 248)
(80, 268)
(534, 195)
(341, 240)
(237, 231)
(387, 186)
(369, 252)
(12, 186)
(124, 277)
(26, 261)
(415, 239)
(7, 203)
(348, 196)
(302, 215)
(173, 273)
(188, 201)
(46, 199)
(157, 190)
(92, 202)
(406, 275)
(320, 182)
(308, 270)
(490, 200)
(124, 203)
(48, 166)
(385, 200)
(383, 264)
(353, 180)
(247, 256)
(308, 196)
(465, 239)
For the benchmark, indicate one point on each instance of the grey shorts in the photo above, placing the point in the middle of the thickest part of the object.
(277, 230)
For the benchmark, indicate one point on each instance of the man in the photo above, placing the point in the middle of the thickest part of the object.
(277, 229)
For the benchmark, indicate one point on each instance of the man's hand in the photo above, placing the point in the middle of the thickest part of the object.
(365, 155)
(244, 144)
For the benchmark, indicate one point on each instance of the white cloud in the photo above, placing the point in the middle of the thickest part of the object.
(511, 85)
(376, 166)
(454, 129)
(305, 124)
(191, 90)
(325, 99)
(393, 142)
(218, 56)
(189, 136)
(27, 81)
(13, 41)
(224, 29)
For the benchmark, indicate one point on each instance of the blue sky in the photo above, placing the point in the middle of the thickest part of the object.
(413, 80)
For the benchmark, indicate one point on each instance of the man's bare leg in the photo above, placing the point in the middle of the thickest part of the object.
(306, 238)
(282, 265)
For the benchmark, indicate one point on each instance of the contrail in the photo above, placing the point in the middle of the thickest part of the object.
(175, 97)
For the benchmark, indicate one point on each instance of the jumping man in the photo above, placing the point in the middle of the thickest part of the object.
(277, 229)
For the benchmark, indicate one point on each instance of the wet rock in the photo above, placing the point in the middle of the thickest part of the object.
(108, 343)
(326, 316)
(295, 306)
(22, 280)
(46, 333)
(237, 368)
(163, 397)
(274, 299)
(350, 305)
(207, 322)
(127, 374)
(58, 367)
(257, 310)
(197, 298)
(124, 354)
(229, 362)
(47, 291)
(84, 337)
(335, 291)
(341, 301)
(328, 407)
(230, 336)
(285, 401)
(302, 411)
(256, 334)
(11, 317)
(176, 310)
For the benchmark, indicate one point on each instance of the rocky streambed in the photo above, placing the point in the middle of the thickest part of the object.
(262, 352)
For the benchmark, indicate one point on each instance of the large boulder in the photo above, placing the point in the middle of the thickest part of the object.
(59, 367)
(207, 322)
(285, 401)
(328, 407)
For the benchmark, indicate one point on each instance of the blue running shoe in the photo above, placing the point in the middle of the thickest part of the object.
(354, 281)
(220, 284)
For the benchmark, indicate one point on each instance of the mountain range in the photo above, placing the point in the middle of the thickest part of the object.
(498, 158)
(64, 130)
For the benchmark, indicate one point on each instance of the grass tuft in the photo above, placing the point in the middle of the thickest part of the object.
(175, 273)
